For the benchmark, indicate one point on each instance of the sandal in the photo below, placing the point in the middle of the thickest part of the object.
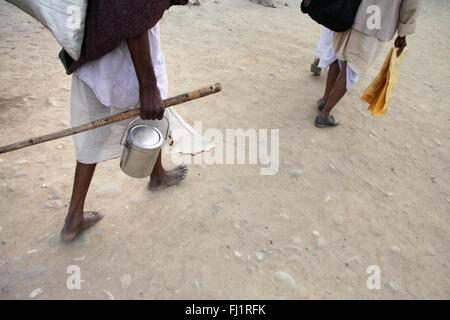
(325, 122)
(321, 104)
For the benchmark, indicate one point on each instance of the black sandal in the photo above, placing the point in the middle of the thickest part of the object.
(321, 104)
(325, 122)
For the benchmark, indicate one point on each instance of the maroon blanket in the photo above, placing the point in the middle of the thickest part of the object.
(109, 22)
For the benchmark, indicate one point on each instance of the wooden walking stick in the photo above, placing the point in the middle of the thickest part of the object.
(182, 98)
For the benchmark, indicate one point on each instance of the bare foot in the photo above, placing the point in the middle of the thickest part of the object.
(70, 231)
(169, 178)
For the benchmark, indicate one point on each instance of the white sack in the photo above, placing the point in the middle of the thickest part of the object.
(64, 18)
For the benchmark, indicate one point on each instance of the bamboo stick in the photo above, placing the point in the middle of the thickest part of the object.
(182, 98)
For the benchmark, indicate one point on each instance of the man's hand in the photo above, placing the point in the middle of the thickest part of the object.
(400, 44)
(152, 106)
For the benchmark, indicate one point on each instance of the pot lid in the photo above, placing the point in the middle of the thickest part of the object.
(145, 136)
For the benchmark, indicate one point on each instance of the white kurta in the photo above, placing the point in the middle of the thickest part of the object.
(108, 86)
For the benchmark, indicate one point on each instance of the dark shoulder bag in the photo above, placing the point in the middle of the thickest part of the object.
(336, 15)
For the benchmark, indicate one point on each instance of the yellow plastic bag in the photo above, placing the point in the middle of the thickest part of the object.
(381, 91)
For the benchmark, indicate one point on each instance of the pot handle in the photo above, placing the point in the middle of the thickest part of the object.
(126, 130)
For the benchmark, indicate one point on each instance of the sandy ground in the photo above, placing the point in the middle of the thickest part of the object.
(375, 190)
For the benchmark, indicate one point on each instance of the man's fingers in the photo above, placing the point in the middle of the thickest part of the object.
(400, 50)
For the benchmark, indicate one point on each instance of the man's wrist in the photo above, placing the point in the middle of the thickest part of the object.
(148, 86)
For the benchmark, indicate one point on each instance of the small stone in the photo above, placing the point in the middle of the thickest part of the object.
(315, 233)
(242, 68)
(285, 216)
(228, 188)
(3, 242)
(237, 254)
(395, 249)
(64, 123)
(351, 261)
(295, 172)
(42, 178)
(338, 220)
(197, 284)
(21, 175)
(109, 191)
(32, 251)
(109, 295)
(11, 187)
(36, 292)
(0, 229)
(286, 278)
(327, 199)
(319, 243)
(51, 102)
(438, 143)
(332, 166)
(431, 252)
(23, 161)
(259, 255)
(68, 165)
(43, 236)
(255, 100)
(56, 194)
(370, 184)
(394, 287)
(373, 133)
(6, 289)
(216, 210)
(389, 194)
(125, 280)
(54, 204)
(79, 258)
(45, 186)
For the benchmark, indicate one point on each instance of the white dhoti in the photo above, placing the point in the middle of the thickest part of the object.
(357, 49)
(325, 40)
(109, 86)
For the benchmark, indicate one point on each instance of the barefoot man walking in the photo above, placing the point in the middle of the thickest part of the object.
(125, 71)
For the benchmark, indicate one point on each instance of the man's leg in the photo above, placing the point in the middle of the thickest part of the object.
(161, 178)
(337, 92)
(333, 74)
(77, 220)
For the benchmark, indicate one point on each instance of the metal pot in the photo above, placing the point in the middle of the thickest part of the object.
(141, 150)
